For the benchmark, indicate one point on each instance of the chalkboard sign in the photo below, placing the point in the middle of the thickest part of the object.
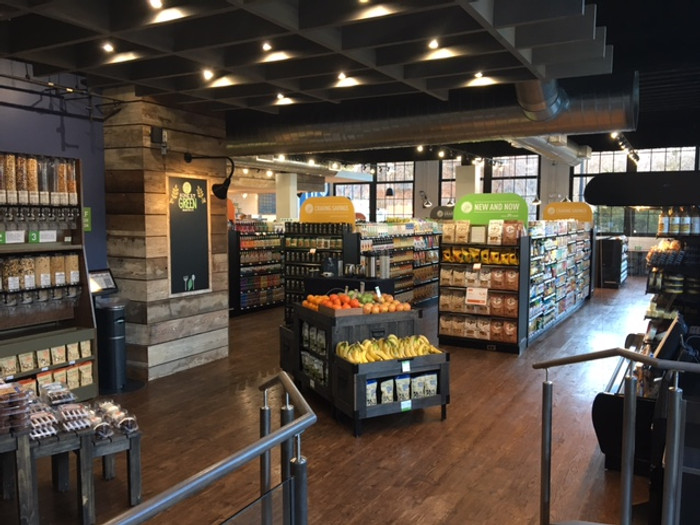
(189, 235)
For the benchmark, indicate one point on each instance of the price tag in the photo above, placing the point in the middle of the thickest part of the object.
(14, 236)
(405, 366)
(10, 378)
(477, 296)
(312, 251)
(379, 294)
(44, 369)
(71, 362)
(406, 406)
(476, 267)
(48, 236)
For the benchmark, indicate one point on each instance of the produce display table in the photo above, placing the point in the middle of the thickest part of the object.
(308, 353)
(58, 448)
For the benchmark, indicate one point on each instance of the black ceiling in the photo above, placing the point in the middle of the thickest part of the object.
(511, 41)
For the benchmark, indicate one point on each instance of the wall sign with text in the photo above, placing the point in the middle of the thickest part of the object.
(480, 208)
(189, 234)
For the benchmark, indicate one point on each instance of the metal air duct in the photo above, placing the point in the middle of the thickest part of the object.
(583, 114)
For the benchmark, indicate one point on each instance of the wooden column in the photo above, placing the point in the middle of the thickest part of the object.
(165, 333)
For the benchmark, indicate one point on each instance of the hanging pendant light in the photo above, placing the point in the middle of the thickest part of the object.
(389, 192)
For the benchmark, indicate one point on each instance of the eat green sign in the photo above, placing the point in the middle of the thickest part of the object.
(480, 208)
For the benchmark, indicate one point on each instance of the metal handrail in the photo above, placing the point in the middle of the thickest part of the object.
(663, 364)
(203, 479)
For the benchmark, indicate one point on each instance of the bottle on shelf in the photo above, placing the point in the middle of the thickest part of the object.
(685, 220)
(695, 221)
(663, 223)
(674, 221)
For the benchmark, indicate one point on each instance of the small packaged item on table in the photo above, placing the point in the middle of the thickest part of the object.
(56, 394)
(403, 387)
(387, 391)
(371, 392)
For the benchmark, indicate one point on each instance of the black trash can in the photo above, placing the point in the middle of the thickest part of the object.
(110, 314)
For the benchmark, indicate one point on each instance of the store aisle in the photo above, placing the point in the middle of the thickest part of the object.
(480, 466)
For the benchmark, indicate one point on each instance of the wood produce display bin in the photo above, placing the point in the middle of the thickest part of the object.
(316, 335)
(350, 393)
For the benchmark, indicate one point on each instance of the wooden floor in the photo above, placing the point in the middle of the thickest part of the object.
(480, 466)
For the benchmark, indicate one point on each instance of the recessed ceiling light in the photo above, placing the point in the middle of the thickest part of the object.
(347, 81)
(245, 195)
(335, 166)
(281, 157)
(433, 44)
(364, 1)
(478, 74)
(481, 81)
(266, 46)
(341, 76)
(269, 173)
(441, 153)
(420, 148)
(277, 56)
(107, 47)
(156, 4)
(312, 162)
(208, 74)
(458, 158)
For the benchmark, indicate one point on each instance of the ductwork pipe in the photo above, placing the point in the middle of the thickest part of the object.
(593, 113)
(540, 100)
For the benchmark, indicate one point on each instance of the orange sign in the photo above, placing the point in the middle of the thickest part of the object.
(327, 209)
(569, 210)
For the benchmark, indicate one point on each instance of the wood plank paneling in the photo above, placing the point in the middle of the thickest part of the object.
(137, 225)
(137, 268)
(176, 331)
(173, 367)
(149, 247)
(137, 290)
(175, 308)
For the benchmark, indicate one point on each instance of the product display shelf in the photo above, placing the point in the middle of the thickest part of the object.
(484, 305)
(560, 277)
(316, 335)
(350, 386)
(307, 247)
(47, 320)
(426, 269)
(612, 261)
(255, 268)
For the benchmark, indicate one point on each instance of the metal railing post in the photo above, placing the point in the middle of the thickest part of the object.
(265, 463)
(286, 455)
(546, 463)
(628, 435)
(672, 468)
(299, 470)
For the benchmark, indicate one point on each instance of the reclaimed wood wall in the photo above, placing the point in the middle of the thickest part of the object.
(164, 333)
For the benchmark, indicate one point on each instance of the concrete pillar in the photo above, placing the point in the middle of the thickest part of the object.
(426, 177)
(468, 181)
(286, 198)
(554, 181)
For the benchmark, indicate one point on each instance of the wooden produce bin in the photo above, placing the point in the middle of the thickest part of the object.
(316, 335)
(350, 386)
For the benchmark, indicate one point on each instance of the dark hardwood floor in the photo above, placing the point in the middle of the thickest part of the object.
(480, 466)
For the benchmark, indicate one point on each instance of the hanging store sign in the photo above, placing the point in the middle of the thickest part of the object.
(480, 208)
(327, 209)
(442, 213)
(569, 210)
(189, 234)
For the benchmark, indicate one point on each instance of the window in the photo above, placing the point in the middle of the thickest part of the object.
(448, 187)
(358, 194)
(518, 174)
(666, 159)
(397, 176)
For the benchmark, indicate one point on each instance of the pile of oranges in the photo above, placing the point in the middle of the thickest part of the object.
(334, 301)
(375, 305)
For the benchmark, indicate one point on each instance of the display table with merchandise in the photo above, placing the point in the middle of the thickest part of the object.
(366, 365)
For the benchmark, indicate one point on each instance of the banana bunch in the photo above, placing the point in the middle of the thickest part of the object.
(391, 347)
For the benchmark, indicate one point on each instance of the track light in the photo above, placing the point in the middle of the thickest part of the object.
(220, 190)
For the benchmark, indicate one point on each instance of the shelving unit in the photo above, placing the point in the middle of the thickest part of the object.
(306, 247)
(612, 261)
(47, 321)
(426, 267)
(256, 277)
(560, 274)
(484, 305)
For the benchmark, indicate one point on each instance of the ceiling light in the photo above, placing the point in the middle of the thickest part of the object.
(426, 201)
(118, 58)
(614, 135)
(347, 82)
(364, 1)
(536, 201)
(269, 173)
(156, 4)
(245, 171)
(266, 46)
(335, 166)
(371, 170)
(208, 74)
(280, 96)
(341, 76)
(281, 157)
(168, 15)
(245, 195)
(458, 158)
(433, 44)
(277, 56)
(107, 47)
(419, 148)
(443, 52)
(312, 162)
(441, 153)
(481, 81)
(478, 74)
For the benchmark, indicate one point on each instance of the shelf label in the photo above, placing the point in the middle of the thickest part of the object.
(9, 378)
(477, 296)
(48, 236)
(12, 237)
(405, 366)
(87, 219)
(44, 369)
(406, 406)
(476, 267)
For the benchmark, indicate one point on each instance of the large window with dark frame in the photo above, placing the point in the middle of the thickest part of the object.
(517, 174)
(358, 193)
(448, 184)
(394, 190)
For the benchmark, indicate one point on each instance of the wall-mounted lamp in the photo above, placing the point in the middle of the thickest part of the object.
(426, 201)
(536, 201)
(220, 190)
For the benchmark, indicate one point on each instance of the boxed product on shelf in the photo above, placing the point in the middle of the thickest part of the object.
(85, 348)
(462, 232)
(58, 354)
(477, 235)
(86, 377)
(8, 366)
(483, 328)
(495, 232)
(59, 375)
(73, 377)
(43, 358)
(27, 361)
